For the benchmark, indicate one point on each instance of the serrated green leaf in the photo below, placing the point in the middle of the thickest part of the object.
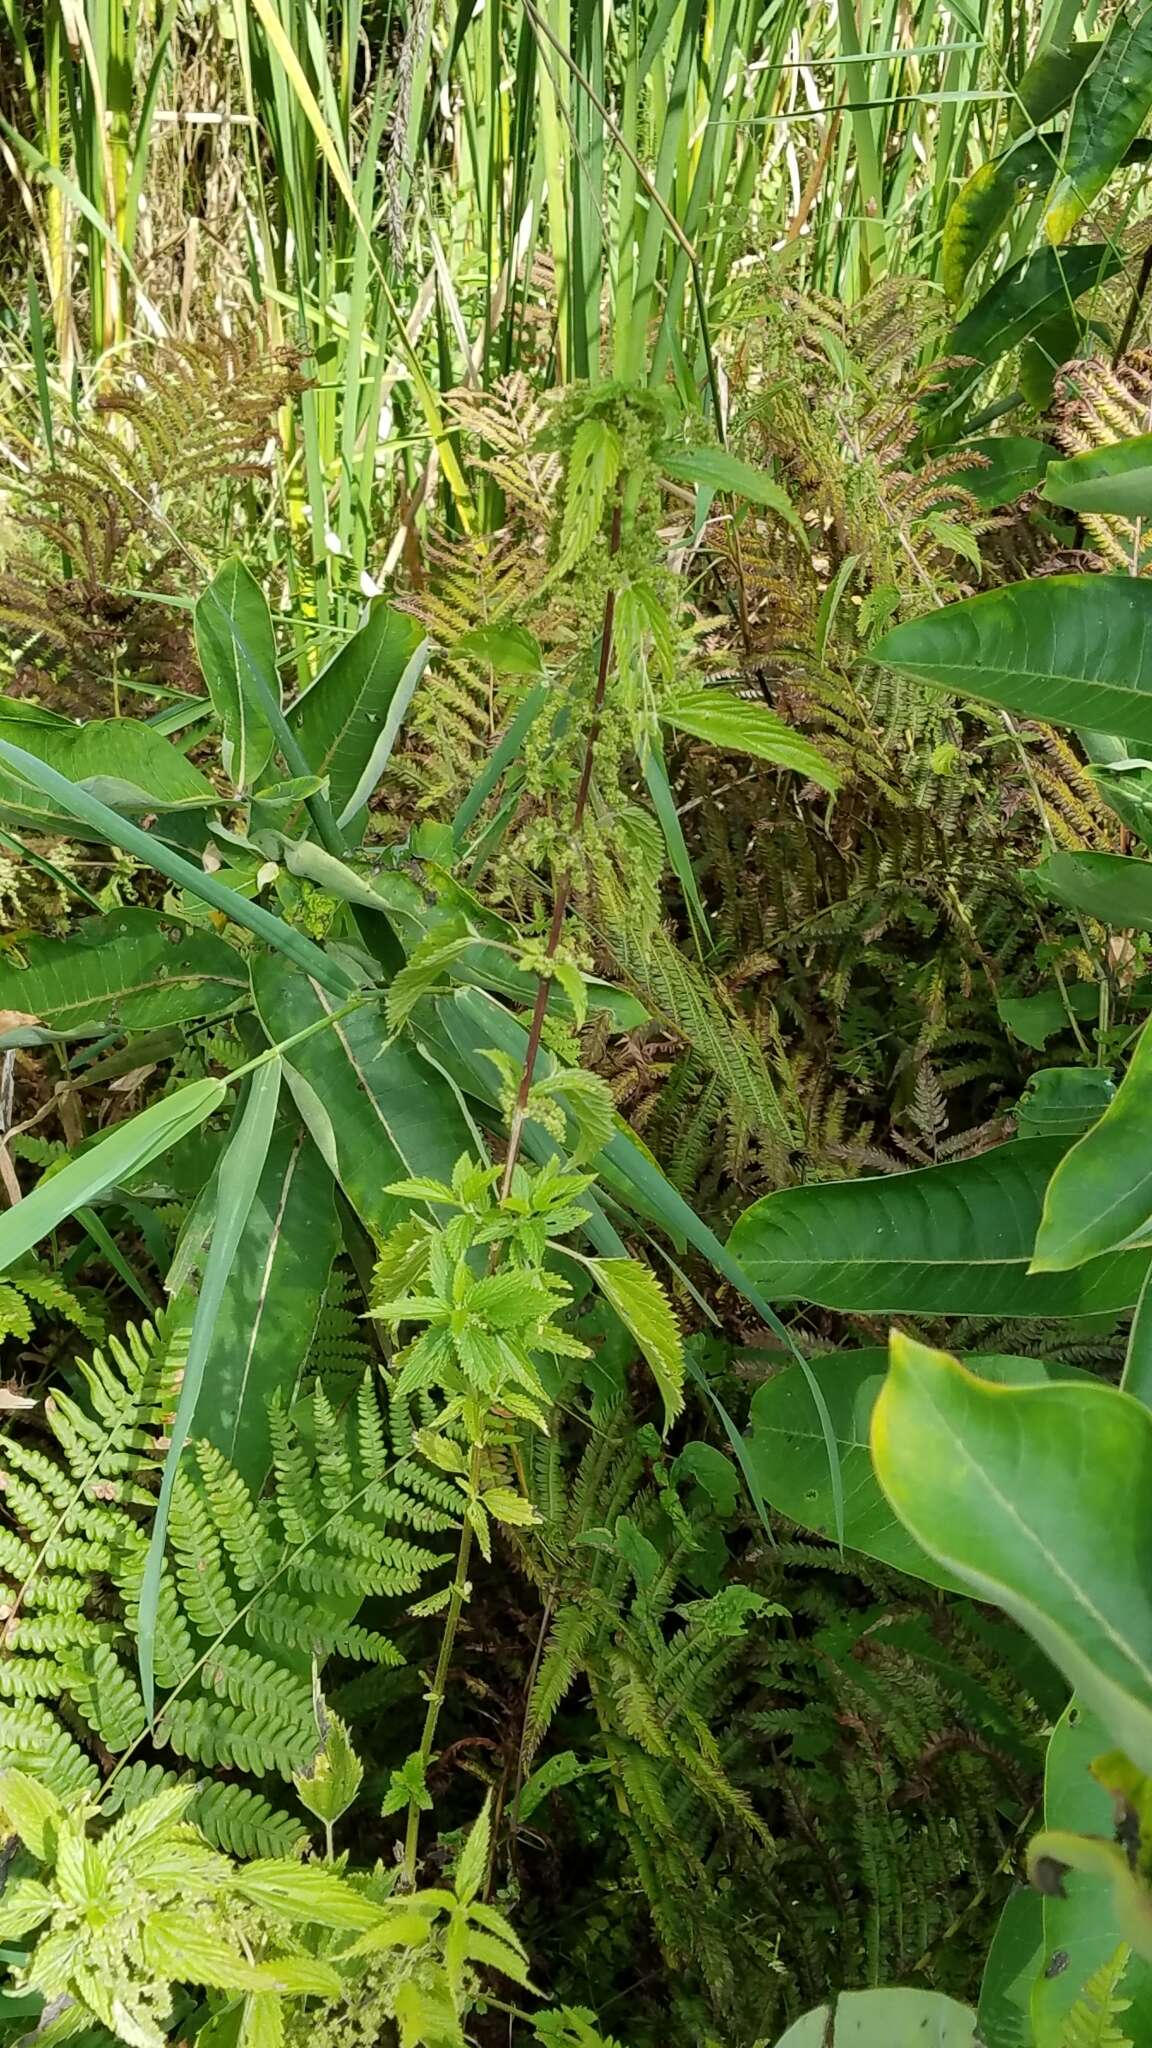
(747, 728)
(472, 1868)
(714, 469)
(642, 1305)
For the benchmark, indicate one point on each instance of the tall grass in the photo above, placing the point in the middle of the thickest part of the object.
(442, 193)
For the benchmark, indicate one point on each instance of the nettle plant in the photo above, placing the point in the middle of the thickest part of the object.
(365, 1066)
(1026, 1484)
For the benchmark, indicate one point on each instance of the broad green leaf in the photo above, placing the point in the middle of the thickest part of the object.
(117, 760)
(1069, 649)
(1013, 464)
(1055, 1852)
(886, 2019)
(237, 650)
(107, 824)
(238, 1180)
(125, 1150)
(271, 1300)
(1023, 299)
(509, 649)
(339, 720)
(375, 1109)
(641, 1303)
(1010, 1488)
(715, 470)
(1114, 888)
(1014, 1957)
(1063, 1102)
(788, 1454)
(1079, 1930)
(1115, 479)
(1044, 354)
(942, 1240)
(1100, 1195)
(1108, 112)
(984, 203)
(1123, 778)
(726, 720)
(1048, 83)
(1036, 1019)
(126, 971)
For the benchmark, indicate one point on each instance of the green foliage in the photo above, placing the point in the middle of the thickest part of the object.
(251, 1583)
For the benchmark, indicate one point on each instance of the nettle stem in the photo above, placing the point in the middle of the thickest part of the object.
(439, 1686)
(565, 882)
(564, 888)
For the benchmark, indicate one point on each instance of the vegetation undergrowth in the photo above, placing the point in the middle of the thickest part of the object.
(574, 990)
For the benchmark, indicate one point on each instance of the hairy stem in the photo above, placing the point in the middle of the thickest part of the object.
(564, 883)
(439, 1685)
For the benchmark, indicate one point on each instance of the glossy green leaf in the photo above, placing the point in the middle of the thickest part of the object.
(789, 1456)
(746, 727)
(1012, 464)
(1115, 888)
(1063, 1102)
(1109, 110)
(126, 971)
(1078, 1931)
(1100, 1195)
(375, 1109)
(339, 720)
(1014, 1957)
(714, 469)
(509, 649)
(942, 1240)
(984, 203)
(634, 1292)
(118, 760)
(237, 650)
(1115, 479)
(107, 824)
(1028, 295)
(239, 1177)
(1010, 1488)
(1068, 649)
(886, 2019)
(125, 1151)
(1048, 84)
(271, 1300)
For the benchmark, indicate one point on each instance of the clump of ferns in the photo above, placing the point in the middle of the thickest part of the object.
(134, 490)
(1097, 403)
(833, 396)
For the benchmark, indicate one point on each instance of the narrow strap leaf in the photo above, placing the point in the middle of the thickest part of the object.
(240, 1171)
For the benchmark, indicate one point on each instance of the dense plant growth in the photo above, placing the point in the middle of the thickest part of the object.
(574, 1026)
